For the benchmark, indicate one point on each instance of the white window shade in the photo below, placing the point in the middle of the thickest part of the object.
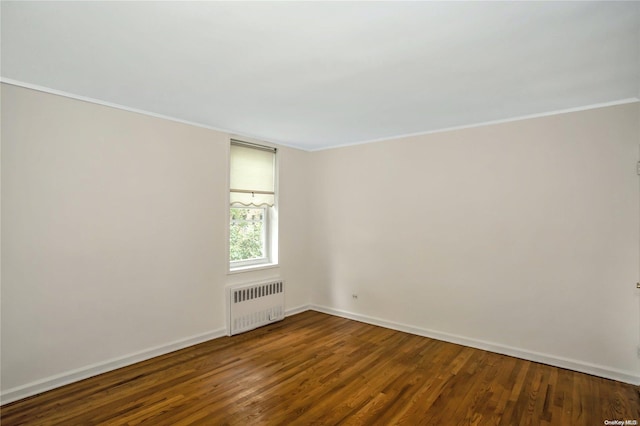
(252, 175)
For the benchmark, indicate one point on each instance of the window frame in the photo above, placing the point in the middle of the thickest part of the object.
(271, 218)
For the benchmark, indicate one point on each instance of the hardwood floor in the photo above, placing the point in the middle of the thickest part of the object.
(314, 368)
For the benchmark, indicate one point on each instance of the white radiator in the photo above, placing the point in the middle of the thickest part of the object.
(254, 305)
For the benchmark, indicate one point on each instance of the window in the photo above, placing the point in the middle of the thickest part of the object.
(248, 236)
(252, 213)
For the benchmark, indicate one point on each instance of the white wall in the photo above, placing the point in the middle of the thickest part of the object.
(523, 236)
(114, 236)
(114, 233)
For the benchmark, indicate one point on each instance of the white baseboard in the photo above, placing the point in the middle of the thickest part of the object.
(296, 310)
(68, 377)
(556, 361)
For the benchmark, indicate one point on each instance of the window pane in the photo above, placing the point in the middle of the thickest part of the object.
(247, 233)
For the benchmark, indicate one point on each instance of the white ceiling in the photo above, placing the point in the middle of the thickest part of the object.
(321, 74)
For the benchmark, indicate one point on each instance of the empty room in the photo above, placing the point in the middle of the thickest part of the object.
(243, 213)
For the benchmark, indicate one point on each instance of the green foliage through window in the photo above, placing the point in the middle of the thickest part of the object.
(247, 233)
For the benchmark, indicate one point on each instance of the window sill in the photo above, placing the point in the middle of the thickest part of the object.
(250, 268)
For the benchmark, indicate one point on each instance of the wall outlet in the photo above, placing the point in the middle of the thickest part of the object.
(355, 296)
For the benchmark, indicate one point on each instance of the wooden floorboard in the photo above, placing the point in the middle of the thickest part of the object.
(314, 368)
